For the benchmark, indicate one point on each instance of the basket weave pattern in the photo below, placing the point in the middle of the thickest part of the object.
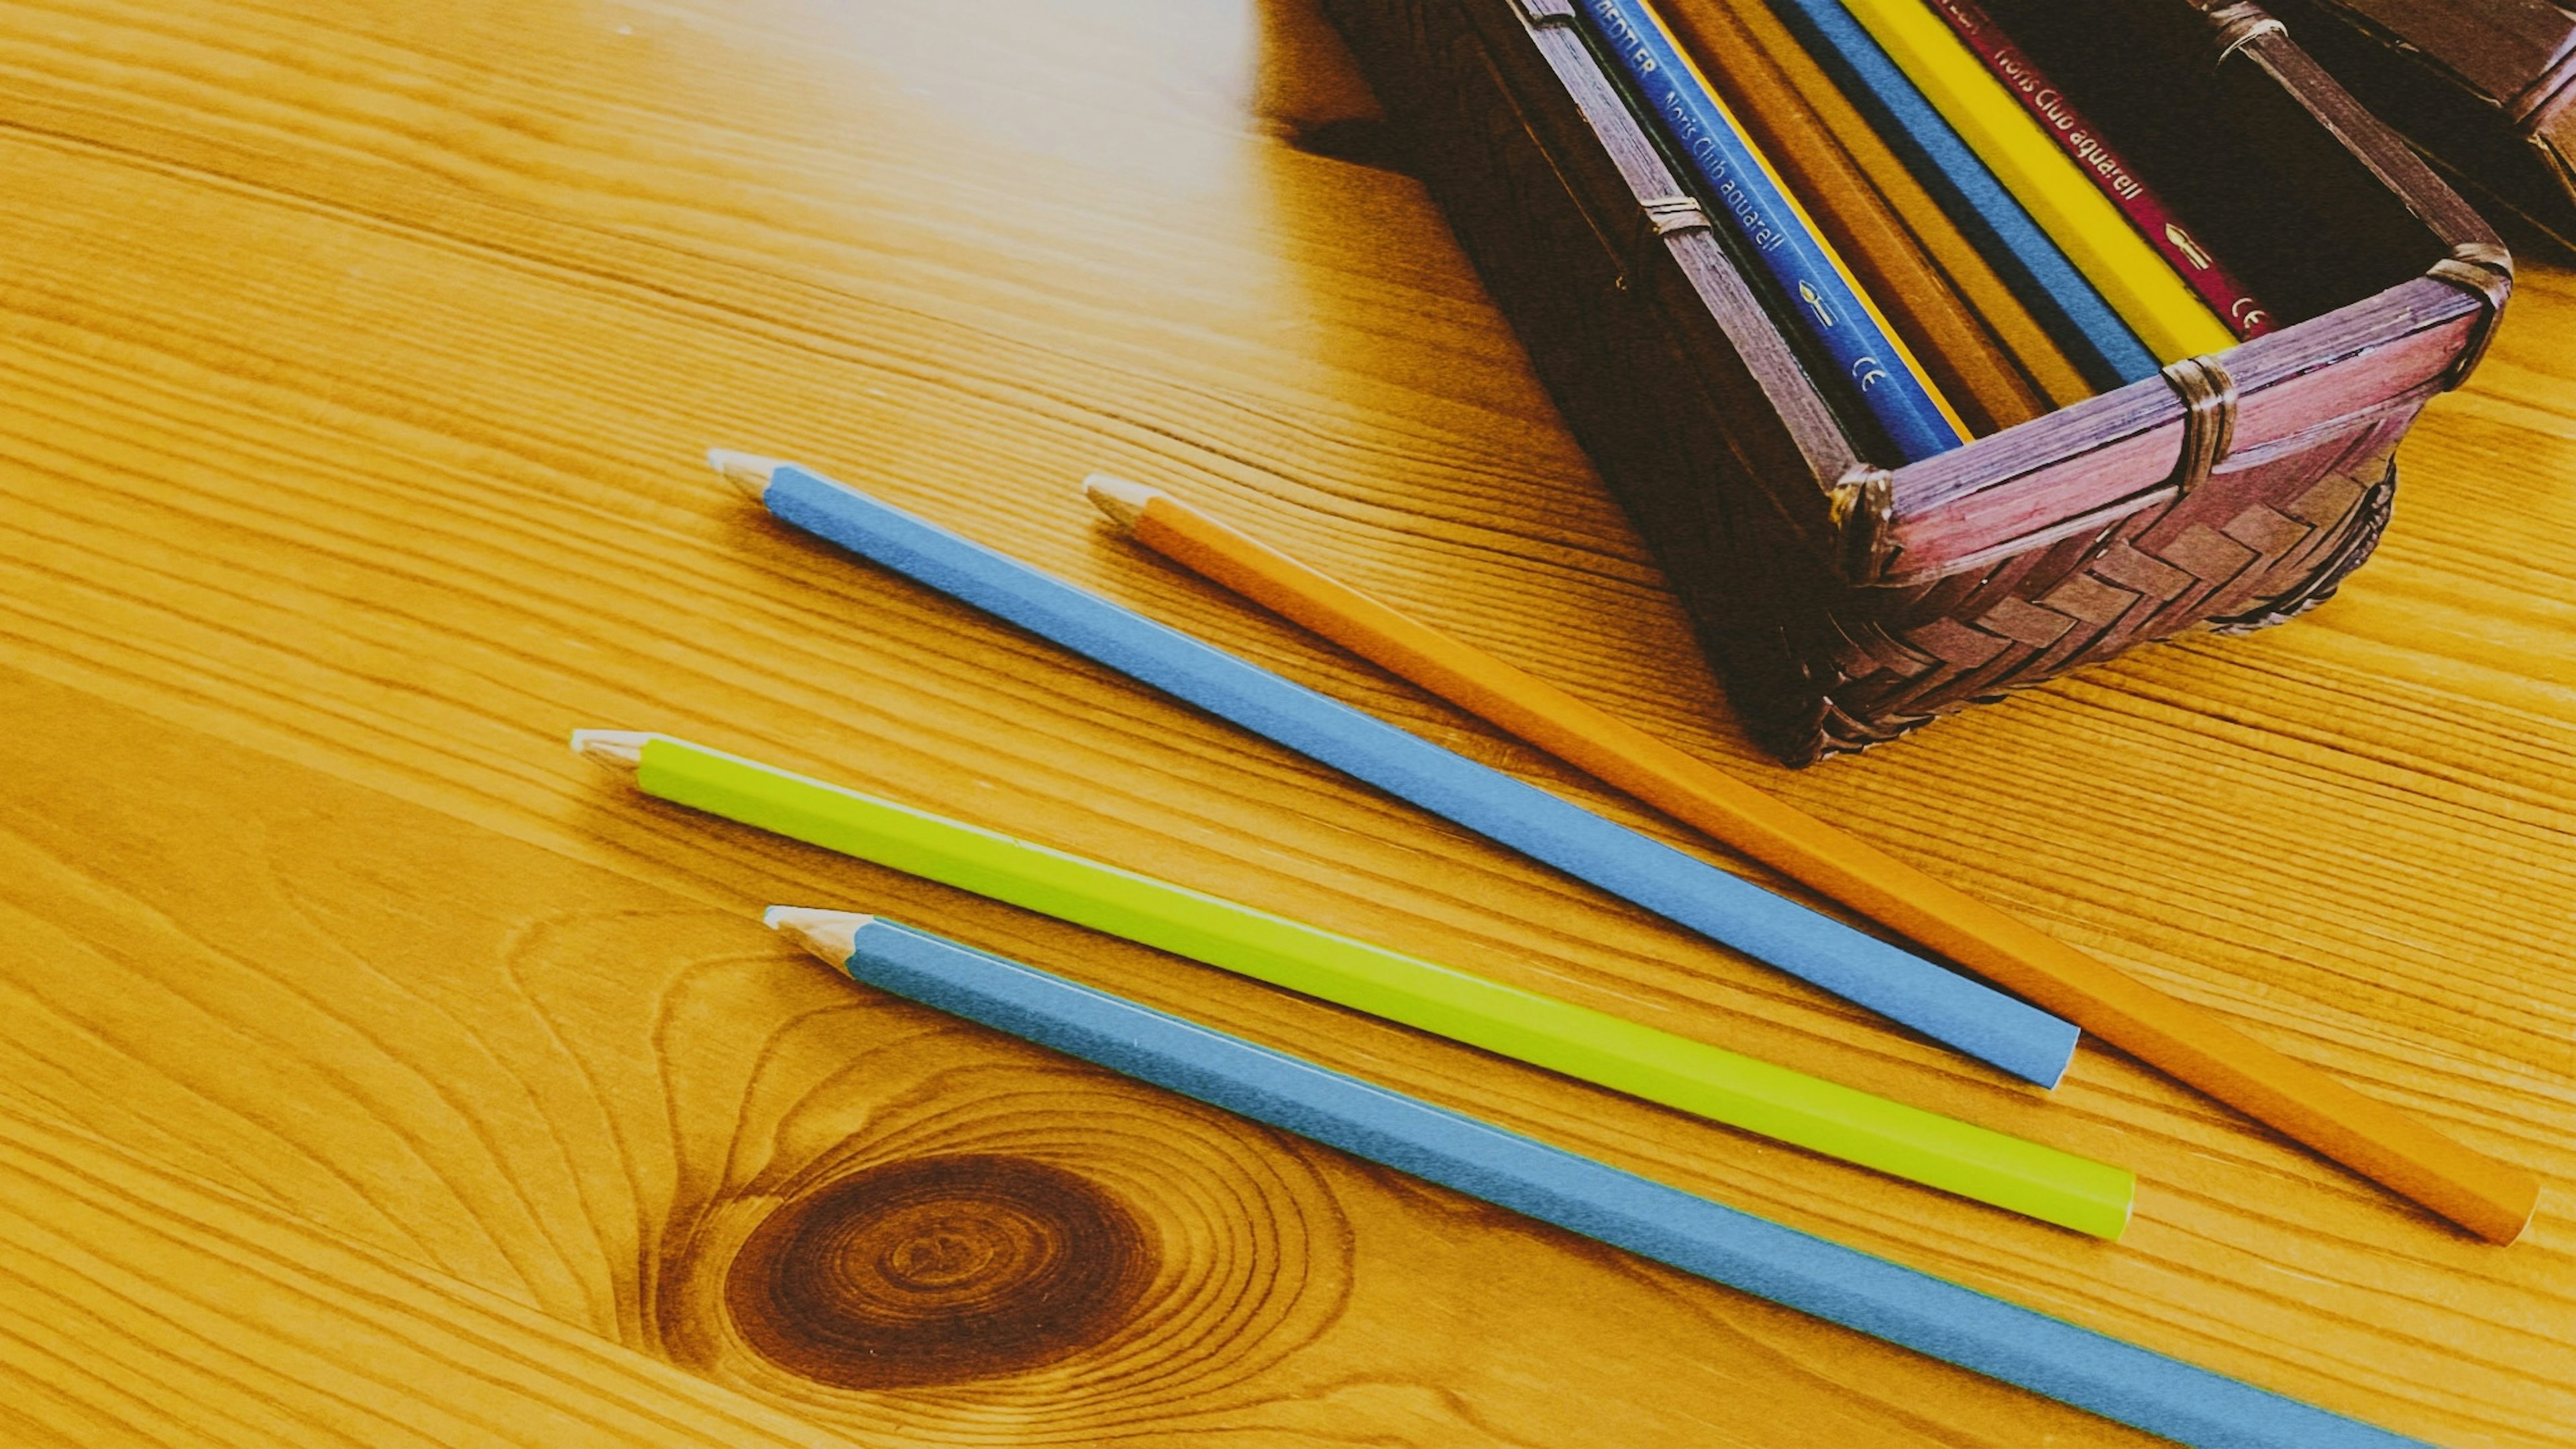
(2247, 550)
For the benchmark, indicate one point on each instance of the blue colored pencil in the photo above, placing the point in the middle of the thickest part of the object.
(1842, 1285)
(1974, 1018)
(2096, 340)
(1821, 300)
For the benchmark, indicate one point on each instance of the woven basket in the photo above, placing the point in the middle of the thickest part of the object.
(1845, 603)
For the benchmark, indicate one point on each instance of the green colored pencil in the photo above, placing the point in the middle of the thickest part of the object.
(1609, 1051)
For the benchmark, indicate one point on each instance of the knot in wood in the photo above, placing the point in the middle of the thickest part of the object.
(938, 1270)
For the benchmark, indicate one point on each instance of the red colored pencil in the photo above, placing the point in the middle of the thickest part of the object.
(2220, 287)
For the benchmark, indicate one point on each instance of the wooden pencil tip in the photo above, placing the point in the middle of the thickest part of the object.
(831, 935)
(746, 471)
(2504, 1240)
(1123, 501)
(617, 749)
(2516, 1215)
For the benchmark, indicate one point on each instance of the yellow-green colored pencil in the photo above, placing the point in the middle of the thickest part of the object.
(1609, 1051)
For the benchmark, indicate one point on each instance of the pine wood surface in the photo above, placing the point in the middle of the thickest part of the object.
(371, 1068)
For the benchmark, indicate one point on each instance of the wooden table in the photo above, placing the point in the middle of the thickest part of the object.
(374, 1072)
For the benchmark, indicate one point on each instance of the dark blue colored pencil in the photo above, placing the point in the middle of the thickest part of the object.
(1818, 298)
(1841, 1285)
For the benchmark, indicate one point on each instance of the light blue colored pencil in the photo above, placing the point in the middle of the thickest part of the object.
(1972, 1017)
(1885, 1300)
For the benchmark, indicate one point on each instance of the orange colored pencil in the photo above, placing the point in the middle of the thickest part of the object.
(2489, 1198)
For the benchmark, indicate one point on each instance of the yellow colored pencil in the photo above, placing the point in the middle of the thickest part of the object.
(2139, 284)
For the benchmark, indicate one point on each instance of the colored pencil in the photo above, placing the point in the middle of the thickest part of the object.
(1866, 364)
(1716, 30)
(1690, 892)
(1967, 360)
(2488, 1197)
(1860, 1291)
(1593, 1046)
(2099, 340)
(2105, 168)
(2149, 294)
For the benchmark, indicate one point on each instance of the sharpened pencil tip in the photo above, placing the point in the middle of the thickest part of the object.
(831, 935)
(746, 471)
(1123, 501)
(617, 749)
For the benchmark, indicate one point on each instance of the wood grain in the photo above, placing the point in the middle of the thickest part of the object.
(358, 358)
(142, 1305)
(613, 1105)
